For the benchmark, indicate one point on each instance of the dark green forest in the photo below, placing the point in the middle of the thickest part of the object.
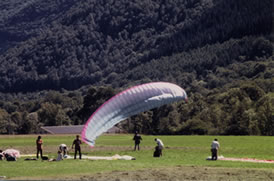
(60, 60)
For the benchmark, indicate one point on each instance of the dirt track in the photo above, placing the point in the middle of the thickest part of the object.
(183, 173)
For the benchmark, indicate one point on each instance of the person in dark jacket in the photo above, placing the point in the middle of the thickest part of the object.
(137, 139)
(1, 155)
(77, 144)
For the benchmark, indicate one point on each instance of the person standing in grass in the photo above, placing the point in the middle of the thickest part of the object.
(77, 143)
(215, 145)
(137, 139)
(39, 147)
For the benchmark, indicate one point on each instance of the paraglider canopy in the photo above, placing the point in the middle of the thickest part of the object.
(130, 102)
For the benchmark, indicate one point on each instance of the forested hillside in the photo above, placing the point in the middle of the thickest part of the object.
(220, 51)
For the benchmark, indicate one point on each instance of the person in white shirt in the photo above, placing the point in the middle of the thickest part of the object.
(215, 145)
(158, 148)
(64, 149)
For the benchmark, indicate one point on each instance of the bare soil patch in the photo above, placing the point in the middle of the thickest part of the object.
(182, 173)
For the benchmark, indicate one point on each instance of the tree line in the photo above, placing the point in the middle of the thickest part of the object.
(242, 108)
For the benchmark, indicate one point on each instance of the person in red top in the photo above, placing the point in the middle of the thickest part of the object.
(39, 147)
(77, 142)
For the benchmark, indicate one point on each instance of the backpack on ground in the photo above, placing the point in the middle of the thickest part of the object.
(10, 157)
(157, 152)
(45, 158)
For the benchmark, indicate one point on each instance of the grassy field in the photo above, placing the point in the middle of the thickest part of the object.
(180, 153)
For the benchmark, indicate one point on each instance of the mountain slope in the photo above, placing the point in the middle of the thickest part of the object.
(21, 20)
(94, 42)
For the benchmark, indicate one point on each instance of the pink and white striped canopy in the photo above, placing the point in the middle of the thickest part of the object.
(128, 103)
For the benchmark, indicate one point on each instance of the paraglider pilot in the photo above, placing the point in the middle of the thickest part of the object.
(137, 138)
(77, 142)
(215, 145)
(39, 147)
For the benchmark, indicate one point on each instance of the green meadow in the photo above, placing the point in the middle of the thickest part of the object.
(186, 151)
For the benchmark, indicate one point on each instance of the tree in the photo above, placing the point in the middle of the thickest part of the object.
(31, 124)
(93, 100)
(4, 122)
(265, 114)
(53, 115)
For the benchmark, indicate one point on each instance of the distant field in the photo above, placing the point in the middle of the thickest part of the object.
(184, 157)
